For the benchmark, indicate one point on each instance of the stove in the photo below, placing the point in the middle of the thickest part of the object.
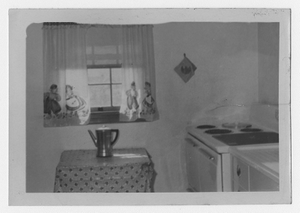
(208, 152)
(237, 134)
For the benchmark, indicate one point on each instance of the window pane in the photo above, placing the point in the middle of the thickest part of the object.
(105, 61)
(116, 75)
(117, 95)
(96, 76)
(100, 96)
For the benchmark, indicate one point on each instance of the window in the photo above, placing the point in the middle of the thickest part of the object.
(105, 87)
(104, 63)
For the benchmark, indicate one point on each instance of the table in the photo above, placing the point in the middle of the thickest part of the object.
(129, 170)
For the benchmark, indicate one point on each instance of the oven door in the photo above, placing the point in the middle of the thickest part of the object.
(203, 167)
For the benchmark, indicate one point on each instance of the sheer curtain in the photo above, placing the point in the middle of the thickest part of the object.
(66, 94)
(138, 93)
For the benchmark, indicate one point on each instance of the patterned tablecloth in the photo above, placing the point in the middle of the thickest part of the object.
(129, 170)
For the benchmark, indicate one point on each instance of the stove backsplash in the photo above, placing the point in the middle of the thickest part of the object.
(218, 114)
(263, 115)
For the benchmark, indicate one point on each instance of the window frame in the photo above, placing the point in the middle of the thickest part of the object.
(110, 67)
(108, 114)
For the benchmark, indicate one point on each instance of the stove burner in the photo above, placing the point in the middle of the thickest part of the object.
(236, 125)
(250, 130)
(218, 131)
(205, 127)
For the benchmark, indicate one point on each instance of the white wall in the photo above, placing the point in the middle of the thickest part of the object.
(227, 60)
(268, 48)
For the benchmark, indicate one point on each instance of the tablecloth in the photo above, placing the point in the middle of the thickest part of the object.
(129, 170)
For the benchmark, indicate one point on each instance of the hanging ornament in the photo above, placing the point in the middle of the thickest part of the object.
(185, 69)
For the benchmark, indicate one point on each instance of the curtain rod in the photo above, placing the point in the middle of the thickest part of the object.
(59, 23)
(119, 25)
(92, 25)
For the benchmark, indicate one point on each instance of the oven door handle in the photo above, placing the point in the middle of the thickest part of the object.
(212, 158)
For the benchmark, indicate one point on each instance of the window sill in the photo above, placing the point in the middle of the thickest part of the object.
(108, 117)
(104, 117)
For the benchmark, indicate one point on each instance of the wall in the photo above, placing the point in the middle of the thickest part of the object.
(268, 48)
(266, 112)
(227, 65)
(227, 70)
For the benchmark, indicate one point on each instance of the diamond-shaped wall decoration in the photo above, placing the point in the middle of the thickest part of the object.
(185, 69)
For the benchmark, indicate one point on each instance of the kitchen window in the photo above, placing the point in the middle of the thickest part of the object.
(105, 86)
(103, 54)
(105, 89)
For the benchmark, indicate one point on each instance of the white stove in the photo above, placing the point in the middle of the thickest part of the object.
(221, 137)
(208, 157)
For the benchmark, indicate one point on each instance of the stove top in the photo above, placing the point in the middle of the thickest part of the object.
(249, 138)
(234, 134)
(251, 130)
